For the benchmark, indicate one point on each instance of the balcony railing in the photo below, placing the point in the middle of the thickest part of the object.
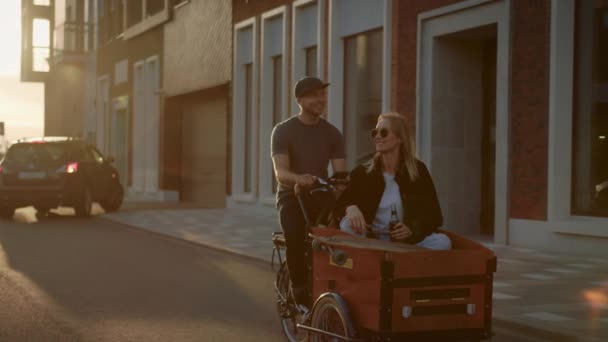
(72, 39)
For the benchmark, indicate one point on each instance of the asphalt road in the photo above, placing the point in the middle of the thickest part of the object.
(69, 279)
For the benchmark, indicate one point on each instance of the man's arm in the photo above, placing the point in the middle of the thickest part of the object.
(281, 170)
(285, 176)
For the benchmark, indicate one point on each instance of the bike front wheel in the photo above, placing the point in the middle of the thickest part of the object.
(286, 308)
(329, 316)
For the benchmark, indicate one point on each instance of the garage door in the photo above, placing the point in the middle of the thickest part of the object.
(203, 171)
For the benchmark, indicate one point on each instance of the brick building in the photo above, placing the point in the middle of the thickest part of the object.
(507, 98)
(508, 101)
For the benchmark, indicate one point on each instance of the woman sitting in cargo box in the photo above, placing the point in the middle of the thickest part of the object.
(392, 196)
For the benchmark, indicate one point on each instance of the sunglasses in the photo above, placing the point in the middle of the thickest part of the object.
(383, 132)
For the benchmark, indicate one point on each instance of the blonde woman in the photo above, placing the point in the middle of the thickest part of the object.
(393, 178)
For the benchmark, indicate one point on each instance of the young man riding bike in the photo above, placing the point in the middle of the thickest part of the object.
(302, 148)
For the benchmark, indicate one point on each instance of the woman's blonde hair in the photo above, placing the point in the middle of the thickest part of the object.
(407, 149)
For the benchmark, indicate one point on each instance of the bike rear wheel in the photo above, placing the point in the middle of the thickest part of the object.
(286, 309)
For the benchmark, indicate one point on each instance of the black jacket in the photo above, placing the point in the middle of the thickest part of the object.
(421, 210)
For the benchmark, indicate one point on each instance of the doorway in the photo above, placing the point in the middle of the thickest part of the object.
(463, 114)
(463, 127)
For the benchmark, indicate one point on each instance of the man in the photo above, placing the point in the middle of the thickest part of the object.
(302, 148)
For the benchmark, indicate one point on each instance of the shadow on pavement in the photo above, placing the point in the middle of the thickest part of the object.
(98, 270)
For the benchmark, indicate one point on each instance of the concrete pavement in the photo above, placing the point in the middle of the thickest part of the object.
(564, 296)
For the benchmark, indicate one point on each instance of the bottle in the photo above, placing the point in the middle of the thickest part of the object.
(394, 220)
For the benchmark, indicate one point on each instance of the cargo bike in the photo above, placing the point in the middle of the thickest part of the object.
(373, 290)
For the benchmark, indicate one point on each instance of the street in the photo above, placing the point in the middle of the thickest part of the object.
(69, 279)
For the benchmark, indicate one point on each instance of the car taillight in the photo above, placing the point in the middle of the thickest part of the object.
(0, 169)
(71, 168)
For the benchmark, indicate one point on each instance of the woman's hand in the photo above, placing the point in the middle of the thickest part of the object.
(401, 231)
(356, 219)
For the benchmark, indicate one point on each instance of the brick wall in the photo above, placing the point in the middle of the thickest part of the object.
(530, 39)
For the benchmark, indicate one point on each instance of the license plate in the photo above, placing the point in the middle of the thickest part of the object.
(32, 175)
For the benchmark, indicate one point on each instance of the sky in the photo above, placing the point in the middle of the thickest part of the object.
(21, 104)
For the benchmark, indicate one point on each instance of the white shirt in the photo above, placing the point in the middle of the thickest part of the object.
(390, 197)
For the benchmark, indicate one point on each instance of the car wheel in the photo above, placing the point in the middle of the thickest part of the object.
(84, 207)
(114, 200)
(7, 213)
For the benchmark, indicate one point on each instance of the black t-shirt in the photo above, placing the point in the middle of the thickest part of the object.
(309, 147)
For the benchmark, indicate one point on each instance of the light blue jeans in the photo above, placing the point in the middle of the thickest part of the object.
(436, 241)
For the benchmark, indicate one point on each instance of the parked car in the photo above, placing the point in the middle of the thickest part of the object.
(57, 171)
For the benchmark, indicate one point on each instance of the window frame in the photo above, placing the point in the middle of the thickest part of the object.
(239, 146)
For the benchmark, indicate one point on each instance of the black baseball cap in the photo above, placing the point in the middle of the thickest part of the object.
(306, 84)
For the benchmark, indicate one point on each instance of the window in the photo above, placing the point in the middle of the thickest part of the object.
(41, 44)
(363, 93)
(96, 155)
(117, 18)
(311, 61)
(590, 122)
(248, 122)
(85, 155)
(277, 104)
(154, 6)
(101, 5)
(134, 12)
(42, 2)
(28, 152)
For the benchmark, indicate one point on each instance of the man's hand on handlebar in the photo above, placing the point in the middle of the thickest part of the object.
(304, 181)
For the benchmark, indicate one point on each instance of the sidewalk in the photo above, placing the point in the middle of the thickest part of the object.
(557, 293)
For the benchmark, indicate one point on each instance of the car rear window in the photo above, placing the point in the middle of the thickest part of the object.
(23, 153)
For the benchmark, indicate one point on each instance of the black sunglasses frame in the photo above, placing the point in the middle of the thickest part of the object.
(383, 132)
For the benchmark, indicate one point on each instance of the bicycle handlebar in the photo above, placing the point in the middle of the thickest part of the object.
(321, 185)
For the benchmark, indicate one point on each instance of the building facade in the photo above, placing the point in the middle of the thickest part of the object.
(507, 100)
(127, 122)
(197, 73)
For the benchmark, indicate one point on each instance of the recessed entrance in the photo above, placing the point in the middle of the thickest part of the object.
(462, 117)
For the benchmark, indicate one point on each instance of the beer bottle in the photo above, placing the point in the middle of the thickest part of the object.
(394, 220)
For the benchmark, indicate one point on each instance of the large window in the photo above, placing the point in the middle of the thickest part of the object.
(277, 103)
(311, 61)
(154, 6)
(363, 93)
(117, 18)
(590, 124)
(134, 12)
(248, 122)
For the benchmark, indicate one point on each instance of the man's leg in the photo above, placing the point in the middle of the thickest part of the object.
(293, 226)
